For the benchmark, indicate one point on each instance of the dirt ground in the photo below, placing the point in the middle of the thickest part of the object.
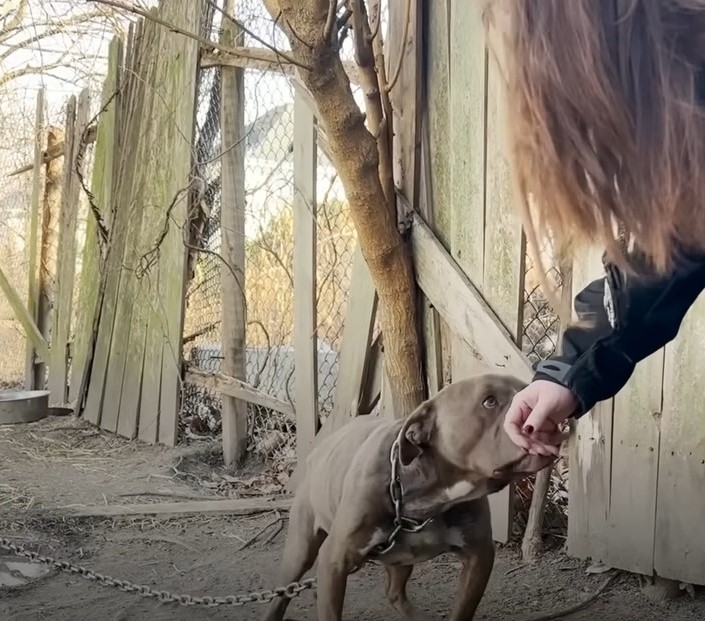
(60, 462)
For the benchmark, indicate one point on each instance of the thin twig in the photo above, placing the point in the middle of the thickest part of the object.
(104, 234)
(405, 38)
(181, 496)
(260, 532)
(564, 612)
(207, 43)
(509, 572)
(330, 19)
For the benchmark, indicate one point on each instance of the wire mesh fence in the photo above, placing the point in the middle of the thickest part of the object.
(540, 340)
(269, 248)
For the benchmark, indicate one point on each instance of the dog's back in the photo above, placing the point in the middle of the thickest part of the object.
(337, 457)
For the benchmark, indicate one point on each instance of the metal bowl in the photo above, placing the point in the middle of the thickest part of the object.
(23, 406)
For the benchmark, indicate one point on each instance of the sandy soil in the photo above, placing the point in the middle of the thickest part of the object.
(59, 462)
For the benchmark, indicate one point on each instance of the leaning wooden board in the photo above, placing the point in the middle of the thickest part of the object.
(231, 506)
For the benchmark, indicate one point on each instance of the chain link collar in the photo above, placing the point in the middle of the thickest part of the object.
(396, 493)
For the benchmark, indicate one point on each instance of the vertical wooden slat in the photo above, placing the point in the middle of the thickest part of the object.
(356, 343)
(102, 187)
(141, 212)
(232, 226)
(66, 261)
(477, 167)
(435, 187)
(172, 265)
(589, 455)
(129, 127)
(635, 457)
(305, 332)
(504, 256)
(148, 427)
(32, 380)
(680, 527)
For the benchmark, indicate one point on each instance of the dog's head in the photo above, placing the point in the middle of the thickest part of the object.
(462, 428)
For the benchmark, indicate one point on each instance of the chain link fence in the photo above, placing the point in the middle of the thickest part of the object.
(269, 249)
(540, 340)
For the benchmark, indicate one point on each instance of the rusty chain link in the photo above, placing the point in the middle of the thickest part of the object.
(257, 597)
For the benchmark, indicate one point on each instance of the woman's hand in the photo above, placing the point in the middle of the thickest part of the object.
(535, 415)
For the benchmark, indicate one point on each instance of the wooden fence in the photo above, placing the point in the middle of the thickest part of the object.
(637, 462)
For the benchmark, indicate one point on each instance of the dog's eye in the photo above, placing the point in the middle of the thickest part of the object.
(490, 402)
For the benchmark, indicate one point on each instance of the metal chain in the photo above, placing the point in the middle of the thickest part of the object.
(257, 597)
(396, 492)
(290, 591)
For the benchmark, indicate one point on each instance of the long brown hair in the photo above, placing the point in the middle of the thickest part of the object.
(606, 126)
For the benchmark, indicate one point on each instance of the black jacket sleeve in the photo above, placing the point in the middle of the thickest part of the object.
(629, 317)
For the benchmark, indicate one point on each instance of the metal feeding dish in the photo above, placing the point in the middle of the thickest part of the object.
(23, 406)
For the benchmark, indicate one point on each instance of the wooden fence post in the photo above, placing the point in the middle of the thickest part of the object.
(49, 245)
(305, 324)
(76, 120)
(232, 227)
(32, 378)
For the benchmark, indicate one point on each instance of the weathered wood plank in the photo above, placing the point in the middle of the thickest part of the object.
(435, 200)
(305, 323)
(181, 79)
(635, 458)
(151, 373)
(232, 227)
(461, 305)
(404, 56)
(102, 187)
(22, 315)
(356, 344)
(589, 455)
(124, 370)
(32, 381)
(76, 121)
(468, 117)
(504, 256)
(680, 528)
(231, 506)
(237, 389)
(130, 118)
(438, 116)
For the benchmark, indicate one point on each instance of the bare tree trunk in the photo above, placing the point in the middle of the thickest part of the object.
(51, 206)
(354, 151)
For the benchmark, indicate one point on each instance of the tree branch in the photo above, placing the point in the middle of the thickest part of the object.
(58, 29)
(207, 43)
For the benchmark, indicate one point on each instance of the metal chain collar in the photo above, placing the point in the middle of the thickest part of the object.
(258, 597)
(396, 492)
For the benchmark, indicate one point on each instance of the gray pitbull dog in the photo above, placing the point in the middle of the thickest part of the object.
(440, 463)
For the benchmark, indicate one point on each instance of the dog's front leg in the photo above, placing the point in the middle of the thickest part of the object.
(335, 562)
(477, 567)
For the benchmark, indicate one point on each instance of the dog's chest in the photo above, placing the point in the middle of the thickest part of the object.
(412, 548)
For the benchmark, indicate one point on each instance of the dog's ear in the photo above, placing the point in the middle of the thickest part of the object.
(417, 432)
